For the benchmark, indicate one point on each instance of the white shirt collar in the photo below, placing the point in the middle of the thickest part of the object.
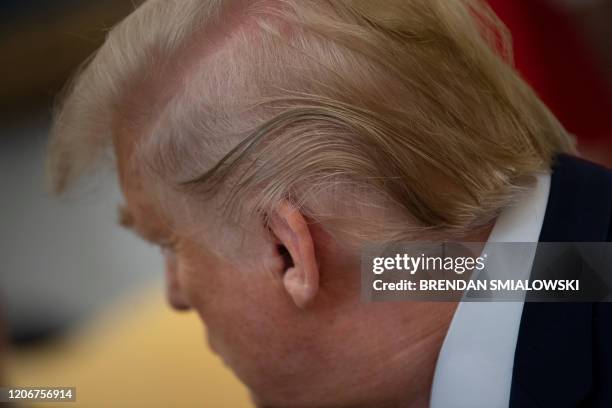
(474, 367)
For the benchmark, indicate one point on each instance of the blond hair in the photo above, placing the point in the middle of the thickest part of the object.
(407, 105)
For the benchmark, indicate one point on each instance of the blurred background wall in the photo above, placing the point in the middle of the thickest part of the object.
(60, 260)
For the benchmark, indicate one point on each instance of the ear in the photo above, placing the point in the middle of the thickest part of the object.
(301, 273)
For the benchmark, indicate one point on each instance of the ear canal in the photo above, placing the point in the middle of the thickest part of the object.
(287, 260)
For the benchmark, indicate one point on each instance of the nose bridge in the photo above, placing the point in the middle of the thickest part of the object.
(174, 292)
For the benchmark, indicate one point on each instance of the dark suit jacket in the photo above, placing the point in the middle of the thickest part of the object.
(563, 356)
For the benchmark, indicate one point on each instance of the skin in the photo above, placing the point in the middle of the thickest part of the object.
(291, 327)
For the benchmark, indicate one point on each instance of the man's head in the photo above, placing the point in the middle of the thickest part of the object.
(260, 143)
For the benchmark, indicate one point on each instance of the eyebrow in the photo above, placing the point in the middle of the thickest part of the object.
(127, 220)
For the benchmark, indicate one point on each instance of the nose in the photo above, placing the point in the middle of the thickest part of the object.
(174, 292)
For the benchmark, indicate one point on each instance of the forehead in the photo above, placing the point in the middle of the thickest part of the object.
(151, 208)
(140, 202)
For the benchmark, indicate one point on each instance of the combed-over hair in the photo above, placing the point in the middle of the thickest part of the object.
(411, 105)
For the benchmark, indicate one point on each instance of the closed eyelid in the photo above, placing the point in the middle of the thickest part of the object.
(125, 217)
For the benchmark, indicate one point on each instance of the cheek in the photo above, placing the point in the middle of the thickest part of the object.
(246, 313)
(223, 294)
(205, 279)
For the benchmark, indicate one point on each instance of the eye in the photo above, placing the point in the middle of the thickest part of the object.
(167, 246)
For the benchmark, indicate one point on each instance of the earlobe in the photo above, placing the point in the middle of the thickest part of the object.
(301, 277)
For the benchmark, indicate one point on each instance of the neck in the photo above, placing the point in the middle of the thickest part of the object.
(410, 368)
(391, 353)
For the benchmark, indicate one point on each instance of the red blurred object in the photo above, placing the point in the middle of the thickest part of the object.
(557, 62)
